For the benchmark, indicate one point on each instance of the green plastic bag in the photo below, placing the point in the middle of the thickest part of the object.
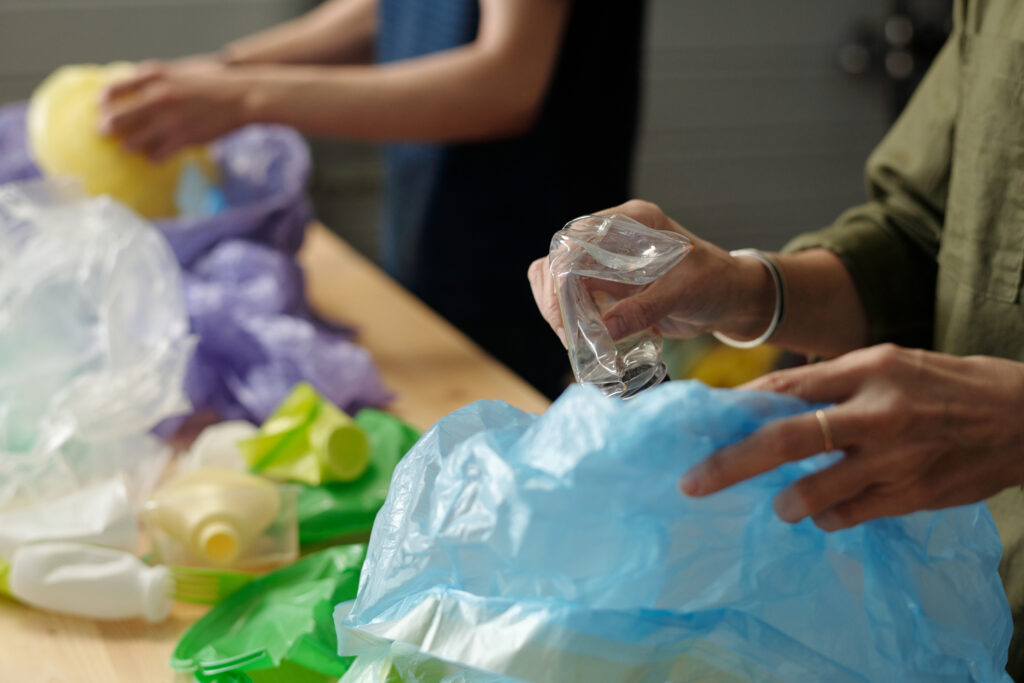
(280, 627)
(340, 509)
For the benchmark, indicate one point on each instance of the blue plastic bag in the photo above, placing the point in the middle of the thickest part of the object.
(558, 548)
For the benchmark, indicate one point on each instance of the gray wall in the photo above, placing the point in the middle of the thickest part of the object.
(750, 131)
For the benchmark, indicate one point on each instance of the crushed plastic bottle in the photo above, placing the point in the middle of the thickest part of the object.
(595, 262)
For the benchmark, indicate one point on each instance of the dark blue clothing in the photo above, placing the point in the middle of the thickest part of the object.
(463, 222)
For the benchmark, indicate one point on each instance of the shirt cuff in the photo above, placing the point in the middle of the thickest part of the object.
(894, 277)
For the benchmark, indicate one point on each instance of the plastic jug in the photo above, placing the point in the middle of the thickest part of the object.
(215, 512)
(89, 581)
(62, 124)
(596, 261)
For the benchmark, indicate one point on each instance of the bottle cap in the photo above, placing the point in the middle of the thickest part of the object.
(343, 452)
(218, 541)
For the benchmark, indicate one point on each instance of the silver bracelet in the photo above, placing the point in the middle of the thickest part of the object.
(780, 301)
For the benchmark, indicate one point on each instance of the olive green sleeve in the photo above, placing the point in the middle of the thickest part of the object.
(890, 244)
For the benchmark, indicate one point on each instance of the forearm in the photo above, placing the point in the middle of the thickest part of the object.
(823, 314)
(452, 96)
(336, 32)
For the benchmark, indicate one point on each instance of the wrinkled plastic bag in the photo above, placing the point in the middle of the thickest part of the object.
(404, 663)
(277, 628)
(558, 548)
(257, 338)
(346, 508)
(245, 292)
(93, 342)
(263, 173)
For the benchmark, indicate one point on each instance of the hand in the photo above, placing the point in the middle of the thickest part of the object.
(919, 430)
(165, 107)
(708, 290)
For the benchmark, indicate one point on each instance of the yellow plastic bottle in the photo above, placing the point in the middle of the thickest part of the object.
(215, 512)
(63, 116)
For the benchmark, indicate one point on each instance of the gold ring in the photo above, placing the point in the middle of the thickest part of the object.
(826, 430)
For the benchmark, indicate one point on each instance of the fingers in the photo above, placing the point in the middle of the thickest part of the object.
(826, 382)
(640, 311)
(871, 504)
(776, 443)
(131, 116)
(645, 212)
(816, 493)
(144, 75)
(543, 287)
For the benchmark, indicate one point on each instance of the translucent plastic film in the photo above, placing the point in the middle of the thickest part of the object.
(94, 341)
(595, 262)
(558, 548)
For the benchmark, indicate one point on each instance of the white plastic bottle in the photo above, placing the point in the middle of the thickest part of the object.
(90, 581)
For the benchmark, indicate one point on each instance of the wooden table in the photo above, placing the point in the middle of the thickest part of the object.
(432, 368)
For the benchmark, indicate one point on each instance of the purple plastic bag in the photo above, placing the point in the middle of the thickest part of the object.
(244, 292)
(264, 171)
(15, 160)
(257, 339)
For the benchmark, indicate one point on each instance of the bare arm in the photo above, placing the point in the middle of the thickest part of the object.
(491, 88)
(336, 32)
(488, 88)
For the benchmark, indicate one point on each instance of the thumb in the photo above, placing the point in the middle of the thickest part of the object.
(633, 314)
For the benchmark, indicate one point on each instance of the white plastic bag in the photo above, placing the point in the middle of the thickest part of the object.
(93, 342)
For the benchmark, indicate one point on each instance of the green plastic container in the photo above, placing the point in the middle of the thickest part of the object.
(279, 628)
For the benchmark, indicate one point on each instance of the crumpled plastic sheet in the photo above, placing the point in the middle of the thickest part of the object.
(257, 339)
(257, 336)
(94, 342)
(558, 548)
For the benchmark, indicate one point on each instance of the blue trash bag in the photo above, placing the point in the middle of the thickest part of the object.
(558, 548)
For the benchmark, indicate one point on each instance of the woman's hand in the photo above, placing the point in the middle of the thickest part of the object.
(708, 290)
(165, 107)
(920, 431)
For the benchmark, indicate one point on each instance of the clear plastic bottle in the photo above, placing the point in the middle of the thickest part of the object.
(595, 262)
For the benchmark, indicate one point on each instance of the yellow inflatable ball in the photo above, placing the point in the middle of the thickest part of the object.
(63, 115)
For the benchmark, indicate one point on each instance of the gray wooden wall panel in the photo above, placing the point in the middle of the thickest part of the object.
(750, 132)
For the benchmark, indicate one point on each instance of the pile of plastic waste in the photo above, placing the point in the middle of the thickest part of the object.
(235, 214)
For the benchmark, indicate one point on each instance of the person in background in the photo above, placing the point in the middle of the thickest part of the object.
(504, 117)
(915, 299)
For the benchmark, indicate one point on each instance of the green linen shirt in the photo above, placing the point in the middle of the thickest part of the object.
(937, 252)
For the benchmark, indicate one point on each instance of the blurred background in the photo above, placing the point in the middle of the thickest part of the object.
(756, 121)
